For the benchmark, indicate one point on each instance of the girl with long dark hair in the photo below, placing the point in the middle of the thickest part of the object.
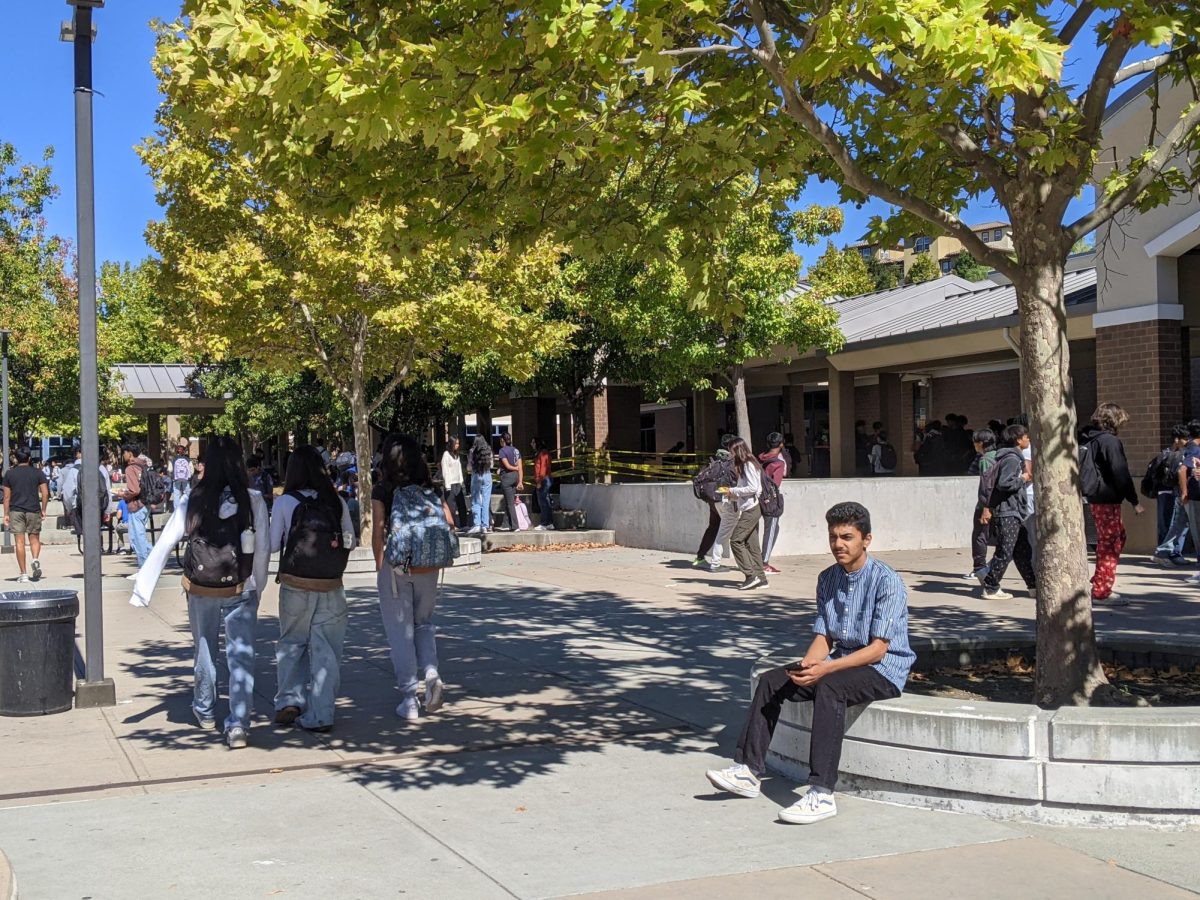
(744, 540)
(225, 573)
(407, 599)
(481, 485)
(313, 531)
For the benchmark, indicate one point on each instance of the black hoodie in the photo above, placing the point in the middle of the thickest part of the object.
(1116, 484)
(1008, 496)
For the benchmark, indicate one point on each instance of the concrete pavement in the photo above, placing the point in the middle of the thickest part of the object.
(588, 693)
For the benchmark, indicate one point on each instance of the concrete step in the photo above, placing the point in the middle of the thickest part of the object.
(501, 539)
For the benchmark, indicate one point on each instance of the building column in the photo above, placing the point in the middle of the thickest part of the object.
(841, 423)
(891, 414)
(793, 408)
(154, 437)
(533, 417)
(174, 431)
(708, 417)
(1144, 367)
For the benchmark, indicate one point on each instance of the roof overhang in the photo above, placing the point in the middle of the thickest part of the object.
(1176, 240)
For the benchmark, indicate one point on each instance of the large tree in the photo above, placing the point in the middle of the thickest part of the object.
(924, 105)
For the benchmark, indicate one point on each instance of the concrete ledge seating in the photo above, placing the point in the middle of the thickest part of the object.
(1078, 765)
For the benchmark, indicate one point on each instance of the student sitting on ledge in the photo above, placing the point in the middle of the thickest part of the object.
(859, 653)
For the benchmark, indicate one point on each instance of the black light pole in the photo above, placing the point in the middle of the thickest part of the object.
(4, 333)
(95, 689)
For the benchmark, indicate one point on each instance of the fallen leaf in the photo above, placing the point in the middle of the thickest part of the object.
(521, 809)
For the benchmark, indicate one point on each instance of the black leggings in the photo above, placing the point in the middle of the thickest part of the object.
(508, 486)
(710, 533)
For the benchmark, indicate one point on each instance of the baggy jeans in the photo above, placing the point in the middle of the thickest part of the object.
(1173, 539)
(308, 656)
(543, 499)
(830, 697)
(729, 513)
(481, 500)
(137, 535)
(406, 604)
(240, 615)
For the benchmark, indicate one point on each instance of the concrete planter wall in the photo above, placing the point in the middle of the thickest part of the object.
(669, 517)
(1097, 766)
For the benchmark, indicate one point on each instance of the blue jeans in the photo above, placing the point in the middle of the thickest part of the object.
(138, 540)
(406, 604)
(312, 627)
(543, 497)
(179, 490)
(481, 500)
(1176, 536)
(241, 617)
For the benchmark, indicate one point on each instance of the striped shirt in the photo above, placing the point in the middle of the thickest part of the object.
(853, 608)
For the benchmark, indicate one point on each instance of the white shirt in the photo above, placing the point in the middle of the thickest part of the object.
(173, 532)
(452, 472)
(1027, 453)
(748, 488)
(281, 520)
(876, 458)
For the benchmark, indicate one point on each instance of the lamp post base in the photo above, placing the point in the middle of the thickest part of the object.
(90, 694)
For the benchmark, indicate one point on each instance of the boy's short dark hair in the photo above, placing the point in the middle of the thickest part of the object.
(876, 426)
(22, 455)
(727, 439)
(850, 513)
(986, 437)
(1014, 433)
(1179, 431)
(1193, 428)
(135, 449)
(774, 439)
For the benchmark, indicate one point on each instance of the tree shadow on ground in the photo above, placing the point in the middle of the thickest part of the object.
(537, 670)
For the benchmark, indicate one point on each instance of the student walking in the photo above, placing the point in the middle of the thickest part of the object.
(452, 482)
(1004, 507)
(883, 456)
(26, 495)
(859, 653)
(775, 467)
(1172, 501)
(224, 574)
(743, 540)
(312, 531)
(136, 467)
(181, 474)
(512, 479)
(542, 465)
(721, 466)
(481, 486)
(408, 591)
(985, 457)
(1112, 485)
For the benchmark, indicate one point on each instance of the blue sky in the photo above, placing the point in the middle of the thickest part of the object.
(36, 111)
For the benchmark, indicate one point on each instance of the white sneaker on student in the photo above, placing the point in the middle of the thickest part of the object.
(22, 578)
(409, 710)
(737, 779)
(812, 807)
(435, 694)
(996, 594)
(475, 530)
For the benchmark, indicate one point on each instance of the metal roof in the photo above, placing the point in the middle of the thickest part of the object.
(942, 303)
(170, 387)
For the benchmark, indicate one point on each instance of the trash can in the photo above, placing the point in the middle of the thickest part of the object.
(37, 652)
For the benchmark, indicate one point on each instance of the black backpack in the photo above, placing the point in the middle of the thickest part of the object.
(153, 488)
(315, 547)
(102, 500)
(887, 457)
(718, 473)
(770, 501)
(1089, 474)
(214, 558)
(1159, 474)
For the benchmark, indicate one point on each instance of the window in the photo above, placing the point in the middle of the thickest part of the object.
(867, 253)
(649, 442)
(998, 234)
(947, 265)
(921, 244)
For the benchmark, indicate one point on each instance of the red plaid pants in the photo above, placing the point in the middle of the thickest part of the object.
(1110, 541)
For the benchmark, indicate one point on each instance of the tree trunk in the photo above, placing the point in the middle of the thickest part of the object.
(1068, 667)
(741, 409)
(360, 417)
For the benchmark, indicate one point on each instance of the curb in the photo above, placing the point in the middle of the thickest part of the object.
(8, 881)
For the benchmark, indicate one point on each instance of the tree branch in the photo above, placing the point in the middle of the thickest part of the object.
(802, 112)
(319, 346)
(1095, 99)
(1172, 146)
(706, 50)
(1075, 24)
(1153, 63)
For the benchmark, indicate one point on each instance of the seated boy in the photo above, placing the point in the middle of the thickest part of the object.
(859, 653)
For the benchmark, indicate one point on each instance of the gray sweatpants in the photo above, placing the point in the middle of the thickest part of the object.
(406, 604)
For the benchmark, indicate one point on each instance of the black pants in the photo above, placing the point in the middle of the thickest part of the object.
(1012, 545)
(710, 533)
(744, 542)
(830, 697)
(454, 498)
(508, 485)
(979, 541)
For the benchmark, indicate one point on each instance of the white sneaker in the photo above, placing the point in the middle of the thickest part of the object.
(997, 594)
(539, 527)
(409, 710)
(236, 738)
(812, 807)
(132, 577)
(1194, 579)
(36, 569)
(475, 530)
(548, 527)
(737, 779)
(22, 578)
(435, 694)
(1113, 599)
